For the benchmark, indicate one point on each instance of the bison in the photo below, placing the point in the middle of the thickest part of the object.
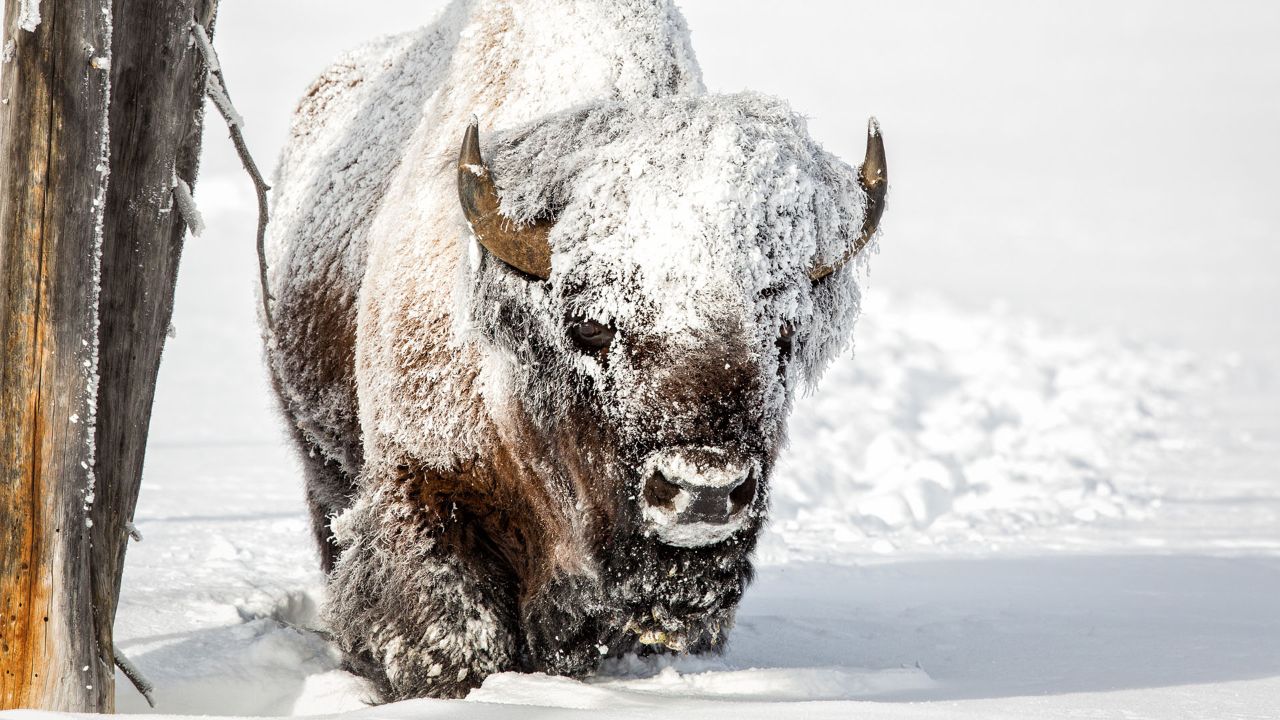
(540, 378)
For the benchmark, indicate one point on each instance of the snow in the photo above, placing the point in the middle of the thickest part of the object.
(216, 89)
(990, 427)
(187, 206)
(222, 101)
(29, 15)
(207, 50)
(1048, 485)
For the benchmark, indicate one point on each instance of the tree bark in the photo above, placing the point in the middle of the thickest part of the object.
(158, 85)
(80, 340)
(52, 139)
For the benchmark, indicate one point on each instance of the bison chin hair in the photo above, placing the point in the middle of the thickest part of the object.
(650, 598)
(677, 599)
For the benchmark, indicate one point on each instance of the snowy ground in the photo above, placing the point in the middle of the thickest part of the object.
(1048, 484)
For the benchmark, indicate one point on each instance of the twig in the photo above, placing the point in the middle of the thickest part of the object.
(217, 90)
(187, 206)
(206, 47)
(135, 676)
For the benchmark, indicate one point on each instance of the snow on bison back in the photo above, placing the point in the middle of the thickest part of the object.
(539, 382)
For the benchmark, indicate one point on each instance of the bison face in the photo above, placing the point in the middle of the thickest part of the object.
(644, 289)
(662, 420)
(683, 411)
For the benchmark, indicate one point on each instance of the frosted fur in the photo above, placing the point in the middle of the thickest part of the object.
(562, 55)
(715, 207)
(410, 362)
(409, 643)
(354, 151)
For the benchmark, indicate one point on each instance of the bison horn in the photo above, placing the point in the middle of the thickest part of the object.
(874, 179)
(524, 248)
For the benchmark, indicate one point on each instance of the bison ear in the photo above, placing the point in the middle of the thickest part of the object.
(523, 247)
(874, 179)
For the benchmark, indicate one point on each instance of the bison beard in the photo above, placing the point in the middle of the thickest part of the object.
(685, 597)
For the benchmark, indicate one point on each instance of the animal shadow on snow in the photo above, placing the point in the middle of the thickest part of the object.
(998, 627)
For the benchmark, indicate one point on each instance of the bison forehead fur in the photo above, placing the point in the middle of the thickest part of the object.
(481, 483)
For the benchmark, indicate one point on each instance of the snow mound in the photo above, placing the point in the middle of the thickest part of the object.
(950, 426)
(750, 685)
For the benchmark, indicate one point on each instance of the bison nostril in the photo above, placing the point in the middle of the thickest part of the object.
(660, 492)
(743, 494)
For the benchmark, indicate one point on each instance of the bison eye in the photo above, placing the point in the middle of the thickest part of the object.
(590, 335)
(786, 336)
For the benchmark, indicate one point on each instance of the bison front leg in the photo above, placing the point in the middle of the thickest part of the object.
(564, 621)
(412, 614)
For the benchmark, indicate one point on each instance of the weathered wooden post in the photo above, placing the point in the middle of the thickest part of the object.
(157, 102)
(54, 145)
(95, 125)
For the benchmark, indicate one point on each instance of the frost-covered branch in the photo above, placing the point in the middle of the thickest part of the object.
(187, 206)
(217, 91)
(206, 48)
(222, 101)
(135, 676)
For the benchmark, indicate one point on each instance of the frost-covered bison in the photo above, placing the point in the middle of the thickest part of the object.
(540, 376)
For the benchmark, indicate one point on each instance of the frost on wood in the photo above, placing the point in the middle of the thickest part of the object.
(218, 94)
(217, 91)
(216, 88)
(206, 48)
(29, 15)
(187, 206)
(131, 671)
(57, 134)
(103, 169)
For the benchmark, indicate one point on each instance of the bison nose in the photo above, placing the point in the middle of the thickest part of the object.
(694, 503)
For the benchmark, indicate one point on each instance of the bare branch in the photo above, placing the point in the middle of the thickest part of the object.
(135, 676)
(222, 100)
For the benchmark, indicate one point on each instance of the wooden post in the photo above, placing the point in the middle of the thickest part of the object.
(53, 142)
(157, 103)
(86, 291)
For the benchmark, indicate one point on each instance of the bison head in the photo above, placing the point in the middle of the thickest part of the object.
(652, 283)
